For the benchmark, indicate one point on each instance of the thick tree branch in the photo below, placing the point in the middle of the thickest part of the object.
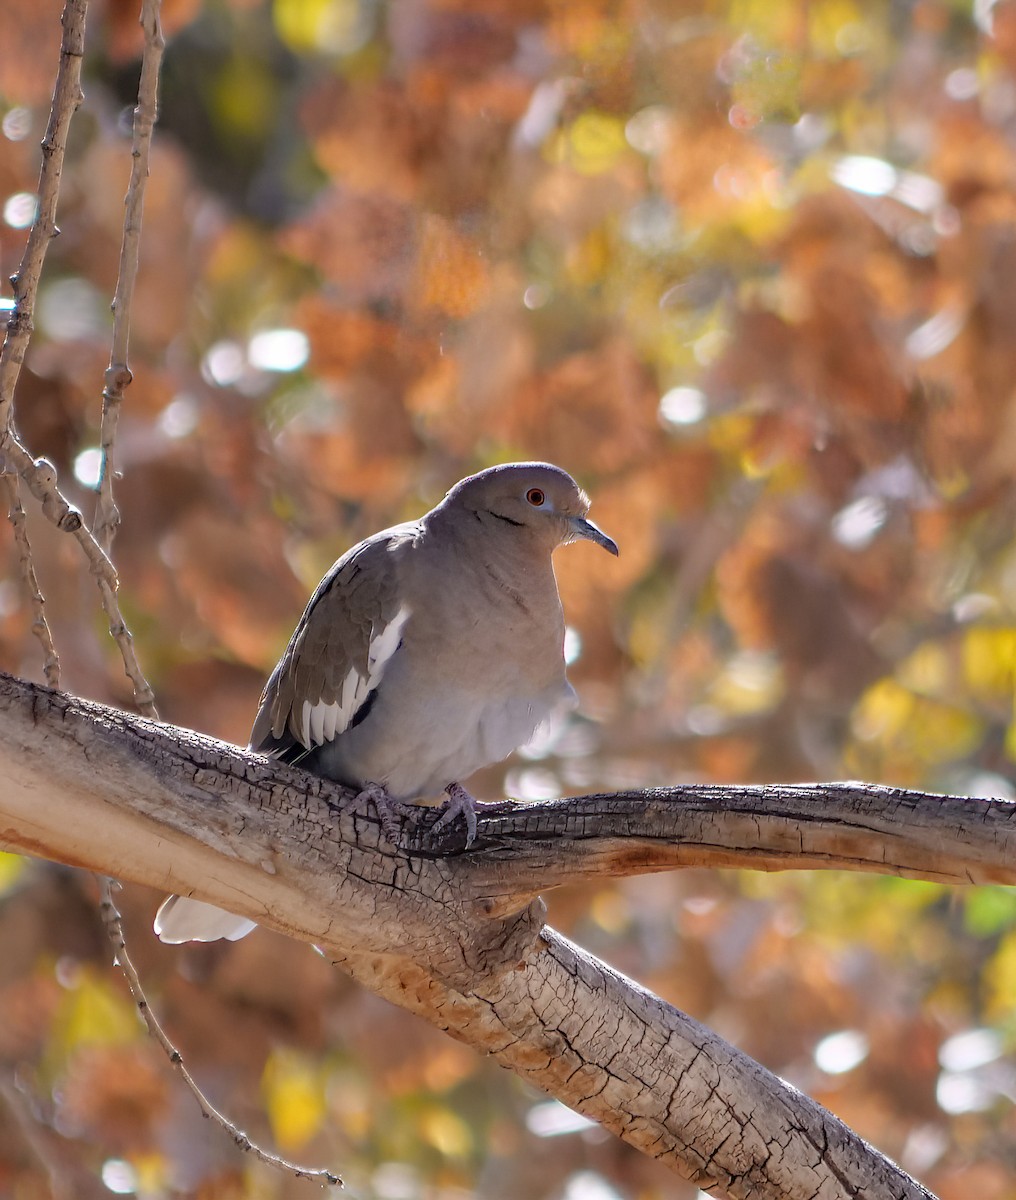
(460, 939)
(841, 826)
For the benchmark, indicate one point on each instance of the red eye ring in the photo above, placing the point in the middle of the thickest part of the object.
(535, 497)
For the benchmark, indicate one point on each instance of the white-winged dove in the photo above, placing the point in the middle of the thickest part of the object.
(428, 651)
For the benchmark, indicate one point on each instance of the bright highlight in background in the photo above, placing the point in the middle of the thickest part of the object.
(119, 1176)
(841, 1052)
(971, 1049)
(959, 1093)
(179, 417)
(223, 364)
(88, 467)
(682, 406)
(17, 124)
(20, 209)
(587, 1185)
(552, 1118)
(278, 350)
(71, 309)
(856, 525)
(864, 174)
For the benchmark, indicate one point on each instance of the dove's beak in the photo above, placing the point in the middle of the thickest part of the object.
(586, 530)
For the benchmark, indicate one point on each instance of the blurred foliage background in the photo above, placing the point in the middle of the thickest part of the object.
(747, 268)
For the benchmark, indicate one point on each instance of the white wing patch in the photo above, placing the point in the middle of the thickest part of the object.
(321, 722)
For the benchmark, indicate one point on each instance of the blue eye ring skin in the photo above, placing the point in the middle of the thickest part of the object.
(536, 497)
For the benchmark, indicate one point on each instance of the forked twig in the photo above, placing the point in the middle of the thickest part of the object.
(113, 923)
(40, 474)
(67, 97)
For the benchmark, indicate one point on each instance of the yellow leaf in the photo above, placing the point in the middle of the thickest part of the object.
(326, 26)
(829, 22)
(11, 866)
(588, 259)
(595, 141)
(1010, 741)
(1000, 979)
(294, 1097)
(446, 1132)
(771, 21)
(989, 661)
(611, 911)
(244, 99)
(942, 733)
(883, 711)
(911, 727)
(749, 683)
(730, 432)
(299, 22)
(926, 670)
(153, 1173)
(93, 1014)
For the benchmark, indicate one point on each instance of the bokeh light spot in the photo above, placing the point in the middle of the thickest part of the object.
(278, 350)
(682, 406)
(88, 467)
(20, 209)
(841, 1052)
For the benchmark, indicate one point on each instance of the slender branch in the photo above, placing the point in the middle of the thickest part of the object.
(40, 624)
(113, 923)
(40, 475)
(118, 373)
(67, 96)
(47, 1147)
(107, 516)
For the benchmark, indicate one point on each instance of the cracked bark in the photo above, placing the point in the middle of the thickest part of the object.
(459, 939)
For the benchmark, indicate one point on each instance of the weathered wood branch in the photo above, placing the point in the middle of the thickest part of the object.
(834, 826)
(459, 937)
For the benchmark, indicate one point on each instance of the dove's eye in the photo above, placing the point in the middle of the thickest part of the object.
(535, 497)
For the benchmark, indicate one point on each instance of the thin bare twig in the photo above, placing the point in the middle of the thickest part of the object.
(118, 373)
(67, 96)
(44, 1144)
(40, 474)
(40, 625)
(114, 928)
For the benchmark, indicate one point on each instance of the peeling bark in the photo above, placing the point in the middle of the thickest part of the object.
(458, 937)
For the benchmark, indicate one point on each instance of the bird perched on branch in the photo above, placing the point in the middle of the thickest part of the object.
(428, 651)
